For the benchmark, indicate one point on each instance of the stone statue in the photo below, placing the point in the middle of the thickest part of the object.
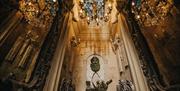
(67, 85)
(88, 86)
(63, 85)
(125, 85)
(100, 86)
(71, 86)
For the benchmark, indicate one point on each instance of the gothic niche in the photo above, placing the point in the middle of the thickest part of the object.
(99, 85)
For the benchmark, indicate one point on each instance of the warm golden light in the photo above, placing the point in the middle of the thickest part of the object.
(133, 3)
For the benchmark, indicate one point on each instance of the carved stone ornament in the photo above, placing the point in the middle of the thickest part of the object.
(95, 65)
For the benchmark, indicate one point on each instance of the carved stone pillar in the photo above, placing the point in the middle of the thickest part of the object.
(53, 79)
(133, 59)
(118, 52)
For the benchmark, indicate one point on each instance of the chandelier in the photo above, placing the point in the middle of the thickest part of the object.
(150, 13)
(38, 13)
(95, 10)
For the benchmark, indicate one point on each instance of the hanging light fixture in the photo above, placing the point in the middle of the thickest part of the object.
(95, 10)
(151, 13)
(34, 14)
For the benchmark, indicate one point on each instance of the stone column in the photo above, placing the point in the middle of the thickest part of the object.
(9, 27)
(52, 82)
(133, 59)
